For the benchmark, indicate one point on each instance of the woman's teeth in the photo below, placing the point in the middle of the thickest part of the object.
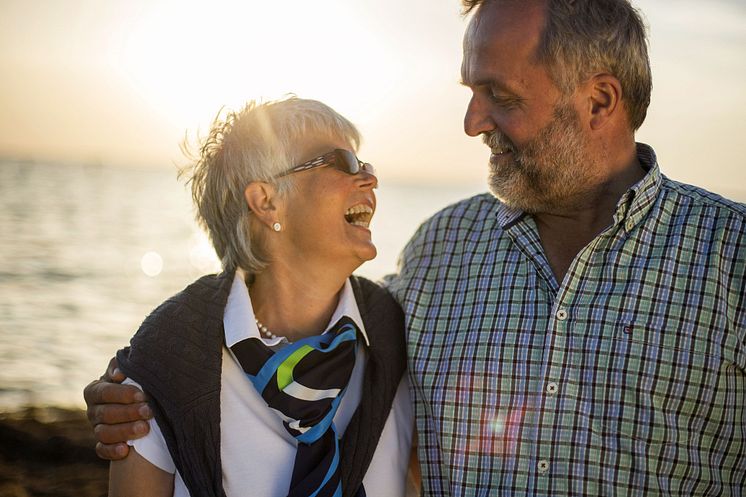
(359, 215)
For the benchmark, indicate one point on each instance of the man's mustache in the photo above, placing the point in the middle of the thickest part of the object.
(497, 140)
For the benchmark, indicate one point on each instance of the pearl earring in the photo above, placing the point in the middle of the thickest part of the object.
(277, 227)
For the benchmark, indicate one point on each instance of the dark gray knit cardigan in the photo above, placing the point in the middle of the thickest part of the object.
(176, 356)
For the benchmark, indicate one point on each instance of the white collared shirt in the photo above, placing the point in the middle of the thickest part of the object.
(257, 452)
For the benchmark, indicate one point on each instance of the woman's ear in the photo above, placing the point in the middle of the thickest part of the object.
(263, 200)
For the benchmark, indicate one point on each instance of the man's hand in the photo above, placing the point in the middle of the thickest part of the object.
(117, 412)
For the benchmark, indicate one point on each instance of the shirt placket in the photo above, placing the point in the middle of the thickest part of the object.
(551, 457)
(557, 423)
(550, 461)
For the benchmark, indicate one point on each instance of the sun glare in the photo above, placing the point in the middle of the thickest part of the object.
(188, 62)
(201, 254)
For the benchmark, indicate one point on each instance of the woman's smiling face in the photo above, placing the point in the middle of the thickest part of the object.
(326, 216)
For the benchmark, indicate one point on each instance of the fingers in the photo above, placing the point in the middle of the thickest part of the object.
(102, 392)
(112, 452)
(110, 414)
(111, 403)
(120, 433)
(117, 412)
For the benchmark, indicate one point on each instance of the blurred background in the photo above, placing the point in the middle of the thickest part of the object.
(96, 96)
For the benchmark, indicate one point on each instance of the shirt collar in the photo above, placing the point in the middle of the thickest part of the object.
(506, 216)
(239, 321)
(631, 208)
(638, 200)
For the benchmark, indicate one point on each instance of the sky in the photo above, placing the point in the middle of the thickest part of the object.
(124, 81)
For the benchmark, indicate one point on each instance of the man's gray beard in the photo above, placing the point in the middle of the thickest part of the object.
(550, 172)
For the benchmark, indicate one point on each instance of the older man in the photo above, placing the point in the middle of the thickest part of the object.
(582, 331)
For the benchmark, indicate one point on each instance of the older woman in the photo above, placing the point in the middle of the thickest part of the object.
(283, 374)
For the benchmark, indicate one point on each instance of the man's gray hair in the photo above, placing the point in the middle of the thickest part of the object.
(584, 37)
(256, 143)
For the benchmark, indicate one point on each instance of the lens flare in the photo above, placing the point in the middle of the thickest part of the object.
(151, 264)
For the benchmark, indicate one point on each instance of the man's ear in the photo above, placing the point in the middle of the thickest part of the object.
(605, 96)
(263, 200)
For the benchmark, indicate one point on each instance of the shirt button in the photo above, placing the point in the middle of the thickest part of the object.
(561, 314)
(552, 388)
(543, 466)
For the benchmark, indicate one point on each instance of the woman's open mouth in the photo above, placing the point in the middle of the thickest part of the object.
(359, 215)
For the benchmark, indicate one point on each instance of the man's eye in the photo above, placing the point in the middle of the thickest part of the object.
(503, 100)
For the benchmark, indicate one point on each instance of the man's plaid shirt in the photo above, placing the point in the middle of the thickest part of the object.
(627, 378)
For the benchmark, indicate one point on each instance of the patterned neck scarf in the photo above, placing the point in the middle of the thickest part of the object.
(304, 384)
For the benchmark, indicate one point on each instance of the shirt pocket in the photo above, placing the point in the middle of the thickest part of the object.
(641, 383)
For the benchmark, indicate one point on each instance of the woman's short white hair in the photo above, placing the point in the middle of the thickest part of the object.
(256, 143)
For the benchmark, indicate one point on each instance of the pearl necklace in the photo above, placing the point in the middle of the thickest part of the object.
(265, 331)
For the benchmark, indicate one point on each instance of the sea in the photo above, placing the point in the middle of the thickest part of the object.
(87, 251)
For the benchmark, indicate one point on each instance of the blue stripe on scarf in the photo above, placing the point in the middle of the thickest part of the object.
(332, 469)
(318, 342)
(320, 428)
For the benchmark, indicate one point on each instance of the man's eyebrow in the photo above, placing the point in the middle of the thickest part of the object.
(490, 83)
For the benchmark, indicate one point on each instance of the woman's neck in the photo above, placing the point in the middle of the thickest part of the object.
(295, 303)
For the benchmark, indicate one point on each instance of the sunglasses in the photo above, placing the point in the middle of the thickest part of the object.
(342, 160)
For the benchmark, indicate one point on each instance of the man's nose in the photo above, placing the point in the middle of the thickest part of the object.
(477, 120)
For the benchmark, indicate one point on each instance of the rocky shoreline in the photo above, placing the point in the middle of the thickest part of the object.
(49, 452)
